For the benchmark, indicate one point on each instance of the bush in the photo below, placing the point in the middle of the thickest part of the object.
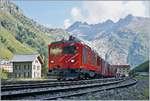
(11, 49)
(4, 74)
(133, 73)
(45, 68)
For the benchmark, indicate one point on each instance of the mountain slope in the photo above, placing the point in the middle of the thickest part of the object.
(21, 35)
(125, 41)
(144, 67)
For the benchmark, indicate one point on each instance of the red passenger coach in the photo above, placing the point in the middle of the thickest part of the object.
(74, 60)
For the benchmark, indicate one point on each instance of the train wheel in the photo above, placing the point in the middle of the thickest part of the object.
(81, 76)
(58, 79)
(87, 76)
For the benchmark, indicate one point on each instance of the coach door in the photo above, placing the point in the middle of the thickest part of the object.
(84, 56)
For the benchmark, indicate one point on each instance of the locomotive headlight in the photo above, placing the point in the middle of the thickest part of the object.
(72, 60)
(52, 61)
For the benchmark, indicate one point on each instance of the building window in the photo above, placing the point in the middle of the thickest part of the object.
(36, 61)
(24, 67)
(38, 75)
(19, 67)
(34, 74)
(38, 67)
(24, 74)
(28, 67)
(34, 67)
(28, 74)
(15, 67)
(17, 75)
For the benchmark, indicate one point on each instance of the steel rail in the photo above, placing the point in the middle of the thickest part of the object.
(50, 84)
(6, 95)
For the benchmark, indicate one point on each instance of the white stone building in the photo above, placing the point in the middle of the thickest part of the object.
(27, 66)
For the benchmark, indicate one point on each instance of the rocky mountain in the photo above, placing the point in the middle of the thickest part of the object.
(125, 41)
(22, 35)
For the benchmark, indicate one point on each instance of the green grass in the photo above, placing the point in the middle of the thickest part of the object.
(138, 77)
(144, 67)
(10, 45)
(146, 93)
(4, 52)
(31, 38)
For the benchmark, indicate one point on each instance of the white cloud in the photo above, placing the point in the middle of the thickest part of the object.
(67, 23)
(76, 13)
(99, 11)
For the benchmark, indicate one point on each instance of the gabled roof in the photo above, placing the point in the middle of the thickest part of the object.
(26, 58)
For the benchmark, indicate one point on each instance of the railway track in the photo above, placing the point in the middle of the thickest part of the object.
(64, 89)
(33, 84)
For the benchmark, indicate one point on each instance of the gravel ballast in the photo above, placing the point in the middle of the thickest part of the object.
(135, 92)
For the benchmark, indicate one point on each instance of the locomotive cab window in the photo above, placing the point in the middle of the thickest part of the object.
(55, 50)
(69, 50)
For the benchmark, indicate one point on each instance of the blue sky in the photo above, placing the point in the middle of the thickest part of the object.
(61, 14)
(48, 13)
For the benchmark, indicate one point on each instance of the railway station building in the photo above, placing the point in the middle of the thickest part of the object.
(122, 70)
(27, 66)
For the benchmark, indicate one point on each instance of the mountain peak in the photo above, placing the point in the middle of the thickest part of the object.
(109, 22)
(129, 16)
(76, 24)
(10, 7)
(80, 23)
(125, 21)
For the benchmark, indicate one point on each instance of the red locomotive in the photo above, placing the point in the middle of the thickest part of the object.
(74, 60)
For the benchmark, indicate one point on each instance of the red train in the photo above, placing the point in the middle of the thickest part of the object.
(72, 59)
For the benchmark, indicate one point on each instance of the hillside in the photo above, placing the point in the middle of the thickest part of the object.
(21, 35)
(121, 42)
(144, 67)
